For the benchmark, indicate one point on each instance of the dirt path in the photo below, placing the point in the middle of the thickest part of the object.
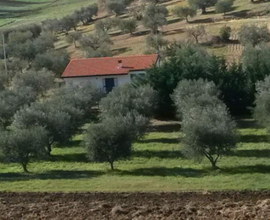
(188, 205)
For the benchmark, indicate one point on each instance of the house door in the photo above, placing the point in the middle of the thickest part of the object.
(109, 84)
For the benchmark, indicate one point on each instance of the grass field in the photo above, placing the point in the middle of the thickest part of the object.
(18, 12)
(157, 165)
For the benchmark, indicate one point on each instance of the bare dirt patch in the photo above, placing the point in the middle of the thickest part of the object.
(186, 205)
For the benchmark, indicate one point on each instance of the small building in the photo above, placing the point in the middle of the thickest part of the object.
(105, 73)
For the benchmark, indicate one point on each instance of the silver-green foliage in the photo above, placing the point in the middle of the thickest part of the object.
(111, 140)
(207, 126)
(262, 102)
(20, 145)
(125, 99)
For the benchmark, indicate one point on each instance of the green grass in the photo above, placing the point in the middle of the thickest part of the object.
(34, 11)
(157, 165)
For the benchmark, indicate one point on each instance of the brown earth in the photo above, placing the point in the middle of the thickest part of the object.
(182, 205)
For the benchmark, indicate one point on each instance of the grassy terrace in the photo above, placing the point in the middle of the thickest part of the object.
(157, 165)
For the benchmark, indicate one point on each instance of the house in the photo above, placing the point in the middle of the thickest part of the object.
(107, 72)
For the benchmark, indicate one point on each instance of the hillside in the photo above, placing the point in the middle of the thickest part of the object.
(16, 12)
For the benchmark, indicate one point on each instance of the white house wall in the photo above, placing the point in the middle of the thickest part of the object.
(97, 81)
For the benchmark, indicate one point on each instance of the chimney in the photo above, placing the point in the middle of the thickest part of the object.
(119, 64)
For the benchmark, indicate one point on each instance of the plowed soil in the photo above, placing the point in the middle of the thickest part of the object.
(186, 205)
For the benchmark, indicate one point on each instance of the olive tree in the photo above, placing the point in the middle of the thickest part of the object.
(208, 132)
(202, 4)
(116, 6)
(256, 62)
(54, 61)
(262, 102)
(111, 140)
(156, 42)
(129, 25)
(125, 99)
(86, 14)
(254, 34)
(39, 82)
(51, 117)
(103, 26)
(154, 17)
(73, 37)
(223, 6)
(20, 145)
(184, 12)
(196, 32)
(19, 37)
(190, 93)
(207, 126)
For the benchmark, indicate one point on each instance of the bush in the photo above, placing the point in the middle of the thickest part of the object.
(225, 33)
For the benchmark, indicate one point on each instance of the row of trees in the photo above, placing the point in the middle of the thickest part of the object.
(221, 6)
(84, 16)
(33, 48)
(35, 114)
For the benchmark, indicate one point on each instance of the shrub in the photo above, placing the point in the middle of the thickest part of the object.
(225, 33)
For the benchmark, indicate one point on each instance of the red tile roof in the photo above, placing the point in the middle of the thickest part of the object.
(108, 65)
